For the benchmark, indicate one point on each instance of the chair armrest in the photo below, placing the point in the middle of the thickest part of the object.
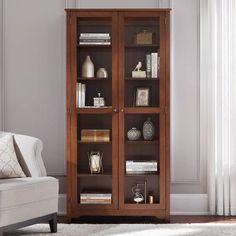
(29, 153)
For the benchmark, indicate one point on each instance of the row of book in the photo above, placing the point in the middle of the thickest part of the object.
(95, 39)
(80, 94)
(140, 166)
(95, 198)
(153, 65)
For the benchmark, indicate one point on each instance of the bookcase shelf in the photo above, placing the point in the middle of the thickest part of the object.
(142, 46)
(93, 46)
(94, 175)
(142, 110)
(141, 79)
(141, 175)
(94, 79)
(142, 142)
(93, 143)
(136, 36)
(93, 110)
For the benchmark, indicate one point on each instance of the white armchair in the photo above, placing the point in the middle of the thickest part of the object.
(30, 200)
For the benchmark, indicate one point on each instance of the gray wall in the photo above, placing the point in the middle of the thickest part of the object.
(34, 80)
(1, 65)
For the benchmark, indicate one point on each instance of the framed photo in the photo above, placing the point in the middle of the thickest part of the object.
(142, 97)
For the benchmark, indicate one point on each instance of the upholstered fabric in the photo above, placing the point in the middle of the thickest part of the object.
(28, 150)
(9, 165)
(22, 199)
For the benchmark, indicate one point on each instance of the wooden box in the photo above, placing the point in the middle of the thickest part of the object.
(144, 37)
(95, 135)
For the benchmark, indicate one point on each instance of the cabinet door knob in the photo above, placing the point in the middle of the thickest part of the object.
(122, 110)
(115, 110)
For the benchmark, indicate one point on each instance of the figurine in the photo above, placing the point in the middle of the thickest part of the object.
(137, 72)
(138, 67)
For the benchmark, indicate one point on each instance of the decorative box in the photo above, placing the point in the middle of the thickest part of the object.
(95, 135)
(99, 101)
(139, 74)
(144, 37)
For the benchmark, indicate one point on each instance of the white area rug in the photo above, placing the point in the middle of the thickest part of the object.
(132, 230)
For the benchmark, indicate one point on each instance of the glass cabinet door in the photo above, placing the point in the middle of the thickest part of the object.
(142, 102)
(94, 100)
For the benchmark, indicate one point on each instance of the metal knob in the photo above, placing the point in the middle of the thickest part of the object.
(122, 110)
(115, 110)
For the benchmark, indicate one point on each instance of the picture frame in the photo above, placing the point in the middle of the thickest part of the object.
(142, 97)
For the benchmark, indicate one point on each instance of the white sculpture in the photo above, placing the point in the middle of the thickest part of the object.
(137, 72)
(138, 66)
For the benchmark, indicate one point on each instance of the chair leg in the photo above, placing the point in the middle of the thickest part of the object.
(52, 223)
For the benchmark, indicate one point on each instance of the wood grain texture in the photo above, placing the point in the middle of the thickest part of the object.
(118, 117)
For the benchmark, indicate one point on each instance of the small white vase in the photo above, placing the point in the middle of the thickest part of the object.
(88, 68)
(102, 73)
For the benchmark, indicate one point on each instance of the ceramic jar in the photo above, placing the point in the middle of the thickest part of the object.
(101, 73)
(148, 129)
(133, 134)
(88, 68)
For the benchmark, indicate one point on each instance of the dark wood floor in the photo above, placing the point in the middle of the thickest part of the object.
(132, 220)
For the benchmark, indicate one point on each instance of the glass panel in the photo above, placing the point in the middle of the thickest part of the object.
(142, 158)
(94, 175)
(94, 40)
(142, 62)
(94, 130)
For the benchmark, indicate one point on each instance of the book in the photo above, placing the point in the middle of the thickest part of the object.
(141, 166)
(95, 43)
(94, 202)
(94, 40)
(91, 35)
(148, 65)
(154, 56)
(78, 94)
(96, 195)
(83, 91)
(100, 197)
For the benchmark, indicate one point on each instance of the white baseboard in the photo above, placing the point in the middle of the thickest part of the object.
(180, 204)
(189, 204)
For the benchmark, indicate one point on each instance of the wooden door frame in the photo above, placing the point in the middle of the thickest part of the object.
(162, 186)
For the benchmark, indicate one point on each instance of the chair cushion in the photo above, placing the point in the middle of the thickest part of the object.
(18, 191)
(22, 199)
(9, 165)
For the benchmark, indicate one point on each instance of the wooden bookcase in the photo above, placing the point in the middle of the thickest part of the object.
(120, 113)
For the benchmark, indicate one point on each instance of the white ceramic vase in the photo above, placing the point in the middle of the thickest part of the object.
(88, 68)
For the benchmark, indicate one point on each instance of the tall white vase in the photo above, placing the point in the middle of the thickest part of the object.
(88, 68)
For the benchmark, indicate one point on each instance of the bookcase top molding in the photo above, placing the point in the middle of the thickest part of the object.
(119, 10)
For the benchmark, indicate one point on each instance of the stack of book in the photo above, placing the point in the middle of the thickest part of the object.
(80, 94)
(141, 167)
(95, 135)
(95, 198)
(153, 65)
(95, 39)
